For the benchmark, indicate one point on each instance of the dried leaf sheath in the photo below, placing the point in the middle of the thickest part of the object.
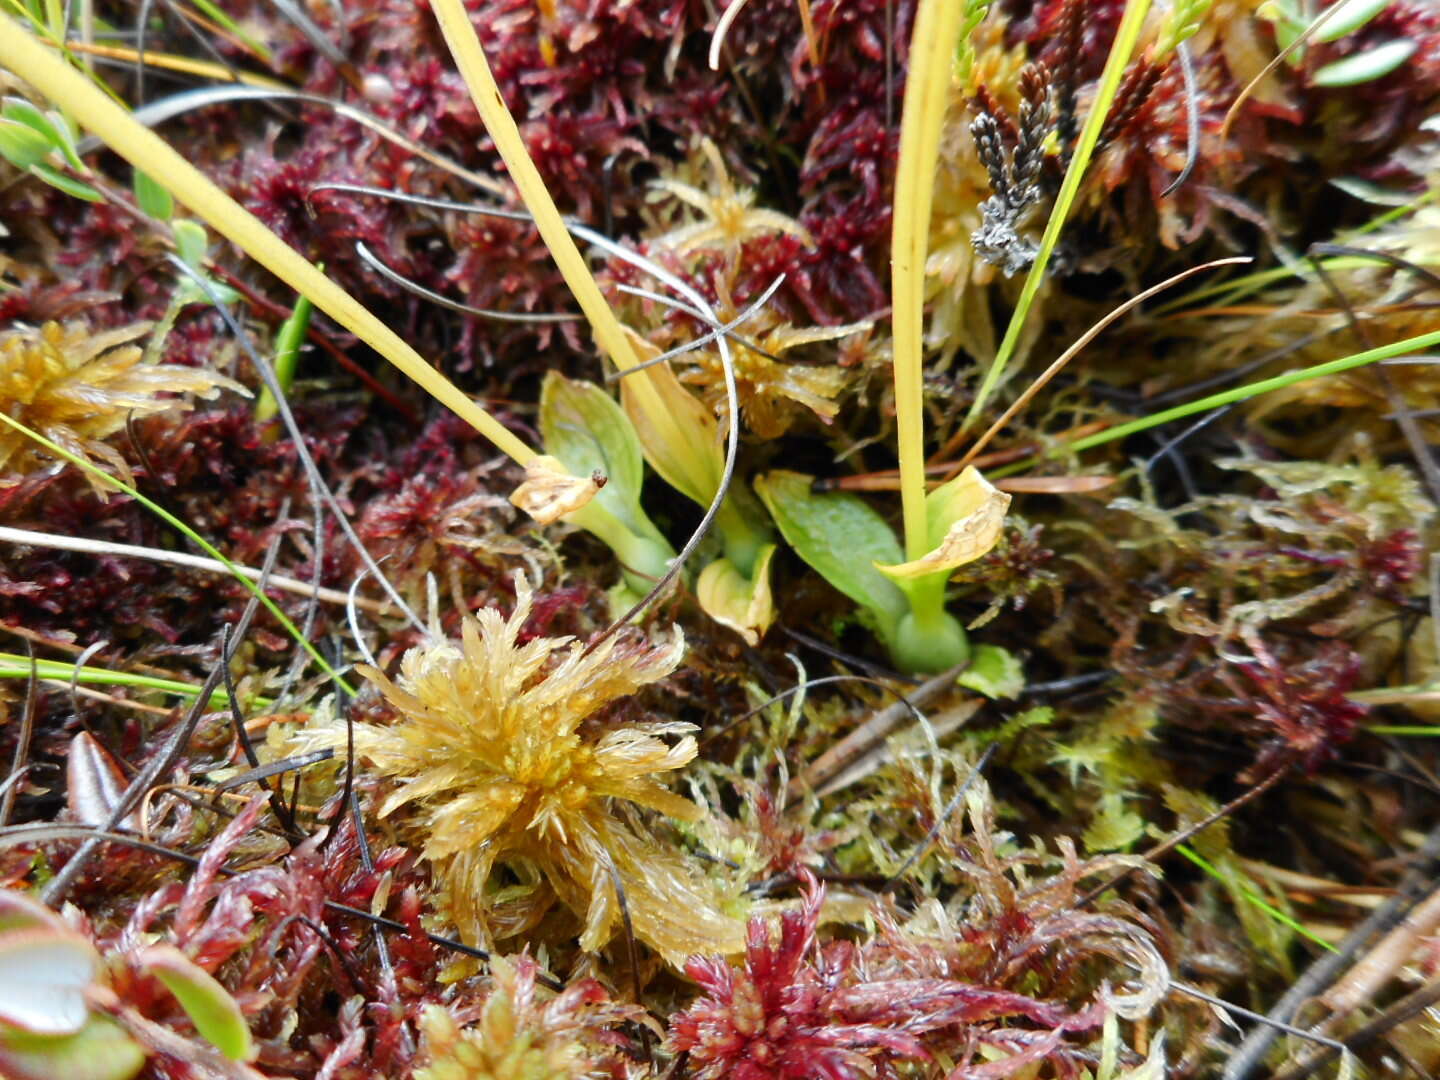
(495, 768)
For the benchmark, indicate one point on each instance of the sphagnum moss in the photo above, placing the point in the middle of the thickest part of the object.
(77, 388)
(498, 766)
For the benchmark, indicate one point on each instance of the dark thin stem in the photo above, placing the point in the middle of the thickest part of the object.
(1412, 1005)
(1185, 834)
(1248, 1014)
(347, 802)
(283, 813)
(275, 768)
(876, 670)
(367, 861)
(297, 438)
(16, 835)
(22, 741)
(1169, 446)
(809, 684)
(1414, 437)
(143, 781)
(1192, 121)
(933, 834)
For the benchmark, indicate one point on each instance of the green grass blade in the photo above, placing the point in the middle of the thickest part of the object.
(15, 666)
(1255, 898)
(174, 522)
(1242, 393)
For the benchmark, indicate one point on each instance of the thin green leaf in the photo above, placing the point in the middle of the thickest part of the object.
(56, 179)
(204, 545)
(1367, 66)
(287, 354)
(1243, 393)
(14, 666)
(1255, 898)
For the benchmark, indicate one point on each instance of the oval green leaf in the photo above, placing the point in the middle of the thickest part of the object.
(1367, 66)
(1352, 15)
(22, 145)
(842, 538)
(152, 198)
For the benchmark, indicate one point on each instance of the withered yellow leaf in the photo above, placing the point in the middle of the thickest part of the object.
(971, 511)
(550, 491)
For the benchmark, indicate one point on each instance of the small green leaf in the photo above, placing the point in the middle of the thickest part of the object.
(994, 672)
(56, 179)
(22, 145)
(152, 198)
(191, 243)
(101, 1050)
(1352, 15)
(588, 432)
(51, 125)
(209, 1005)
(1367, 66)
(842, 538)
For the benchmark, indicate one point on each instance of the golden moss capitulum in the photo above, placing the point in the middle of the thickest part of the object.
(497, 766)
(77, 388)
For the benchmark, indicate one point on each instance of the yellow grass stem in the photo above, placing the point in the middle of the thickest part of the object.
(609, 334)
(927, 93)
(70, 90)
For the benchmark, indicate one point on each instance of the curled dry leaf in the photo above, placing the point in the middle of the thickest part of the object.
(94, 783)
(971, 511)
(550, 492)
(744, 604)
